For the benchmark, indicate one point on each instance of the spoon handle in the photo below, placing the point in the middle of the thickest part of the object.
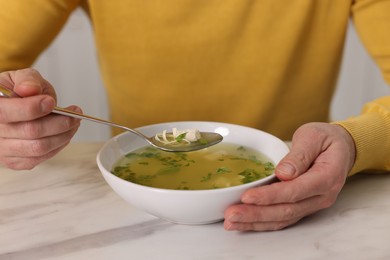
(66, 112)
(5, 92)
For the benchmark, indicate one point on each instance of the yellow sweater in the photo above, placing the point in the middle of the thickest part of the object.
(268, 64)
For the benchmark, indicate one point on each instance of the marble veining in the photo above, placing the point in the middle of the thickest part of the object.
(63, 209)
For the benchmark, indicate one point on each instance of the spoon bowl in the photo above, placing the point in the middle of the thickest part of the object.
(208, 138)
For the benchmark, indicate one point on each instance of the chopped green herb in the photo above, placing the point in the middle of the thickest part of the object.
(212, 168)
(223, 170)
(203, 141)
(269, 166)
(182, 188)
(249, 175)
(237, 158)
(207, 177)
(254, 159)
(241, 148)
(180, 137)
(129, 155)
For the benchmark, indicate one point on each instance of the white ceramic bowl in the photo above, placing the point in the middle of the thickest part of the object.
(186, 206)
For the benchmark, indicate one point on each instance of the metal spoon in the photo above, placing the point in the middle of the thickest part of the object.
(208, 138)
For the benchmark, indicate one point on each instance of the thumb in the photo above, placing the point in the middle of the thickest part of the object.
(301, 156)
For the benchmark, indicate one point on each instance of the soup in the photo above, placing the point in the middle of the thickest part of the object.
(220, 166)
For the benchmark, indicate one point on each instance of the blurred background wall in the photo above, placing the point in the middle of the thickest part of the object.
(71, 65)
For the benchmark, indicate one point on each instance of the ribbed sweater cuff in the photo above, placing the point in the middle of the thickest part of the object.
(371, 133)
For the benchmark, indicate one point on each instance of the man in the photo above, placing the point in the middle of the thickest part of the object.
(269, 64)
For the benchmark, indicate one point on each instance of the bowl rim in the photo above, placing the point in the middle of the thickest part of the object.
(107, 172)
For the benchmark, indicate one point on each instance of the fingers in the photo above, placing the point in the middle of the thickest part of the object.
(281, 204)
(244, 217)
(29, 133)
(317, 166)
(38, 96)
(25, 109)
(258, 226)
(46, 126)
(26, 144)
(320, 180)
(286, 192)
(248, 217)
(28, 163)
(26, 154)
(253, 213)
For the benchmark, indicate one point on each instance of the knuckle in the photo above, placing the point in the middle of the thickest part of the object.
(38, 147)
(32, 130)
(68, 123)
(7, 111)
(33, 71)
(311, 132)
(327, 202)
(29, 73)
(280, 226)
(295, 194)
(302, 158)
(32, 110)
(288, 212)
(255, 215)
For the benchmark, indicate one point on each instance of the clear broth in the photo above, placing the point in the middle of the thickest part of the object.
(220, 166)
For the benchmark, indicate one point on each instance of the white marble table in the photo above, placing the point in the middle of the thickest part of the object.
(63, 209)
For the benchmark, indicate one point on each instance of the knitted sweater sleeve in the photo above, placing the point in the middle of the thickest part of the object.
(28, 27)
(371, 130)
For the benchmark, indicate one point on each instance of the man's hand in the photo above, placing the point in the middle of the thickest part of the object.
(311, 176)
(29, 133)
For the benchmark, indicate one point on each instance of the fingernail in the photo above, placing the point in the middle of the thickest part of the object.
(235, 217)
(47, 105)
(78, 110)
(229, 226)
(286, 169)
(248, 199)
